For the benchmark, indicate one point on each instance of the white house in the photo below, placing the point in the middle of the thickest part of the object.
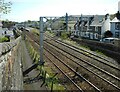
(115, 27)
(105, 24)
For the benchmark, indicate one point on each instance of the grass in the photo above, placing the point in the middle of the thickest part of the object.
(83, 46)
(75, 44)
(99, 52)
(86, 47)
(50, 33)
(49, 80)
(64, 35)
(35, 31)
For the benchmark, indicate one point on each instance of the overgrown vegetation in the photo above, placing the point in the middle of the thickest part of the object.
(64, 35)
(99, 52)
(35, 31)
(83, 46)
(86, 47)
(51, 33)
(4, 39)
(49, 80)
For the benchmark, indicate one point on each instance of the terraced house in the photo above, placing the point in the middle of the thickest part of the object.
(93, 27)
(96, 26)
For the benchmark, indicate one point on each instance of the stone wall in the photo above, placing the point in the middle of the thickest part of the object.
(10, 66)
(117, 43)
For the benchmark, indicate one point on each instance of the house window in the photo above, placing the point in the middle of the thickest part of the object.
(96, 29)
(99, 30)
(117, 26)
(117, 34)
(96, 36)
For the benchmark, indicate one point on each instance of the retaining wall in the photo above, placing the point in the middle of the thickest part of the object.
(10, 66)
(108, 49)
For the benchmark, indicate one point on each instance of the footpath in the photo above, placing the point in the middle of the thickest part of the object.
(27, 62)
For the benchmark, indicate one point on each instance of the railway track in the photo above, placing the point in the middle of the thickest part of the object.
(94, 56)
(67, 70)
(101, 59)
(88, 66)
(92, 59)
(64, 73)
(70, 72)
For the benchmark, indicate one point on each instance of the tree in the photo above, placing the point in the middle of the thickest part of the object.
(108, 34)
(5, 7)
(118, 15)
(8, 24)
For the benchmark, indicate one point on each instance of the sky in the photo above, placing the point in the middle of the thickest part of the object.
(23, 10)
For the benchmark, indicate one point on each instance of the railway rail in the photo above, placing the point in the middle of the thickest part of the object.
(94, 59)
(70, 71)
(94, 56)
(92, 68)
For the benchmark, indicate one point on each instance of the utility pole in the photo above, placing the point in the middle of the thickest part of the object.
(66, 20)
(77, 24)
(41, 62)
(81, 29)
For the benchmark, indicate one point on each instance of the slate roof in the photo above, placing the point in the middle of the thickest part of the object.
(115, 20)
(97, 20)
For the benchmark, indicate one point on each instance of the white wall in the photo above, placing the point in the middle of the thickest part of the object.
(105, 26)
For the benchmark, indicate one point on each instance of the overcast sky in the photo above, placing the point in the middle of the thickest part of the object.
(23, 10)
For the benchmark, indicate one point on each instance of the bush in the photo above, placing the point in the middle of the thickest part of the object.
(65, 35)
(4, 39)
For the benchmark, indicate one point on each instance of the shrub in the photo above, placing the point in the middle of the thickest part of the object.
(65, 35)
(4, 39)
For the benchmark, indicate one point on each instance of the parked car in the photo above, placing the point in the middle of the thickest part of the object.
(109, 40)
